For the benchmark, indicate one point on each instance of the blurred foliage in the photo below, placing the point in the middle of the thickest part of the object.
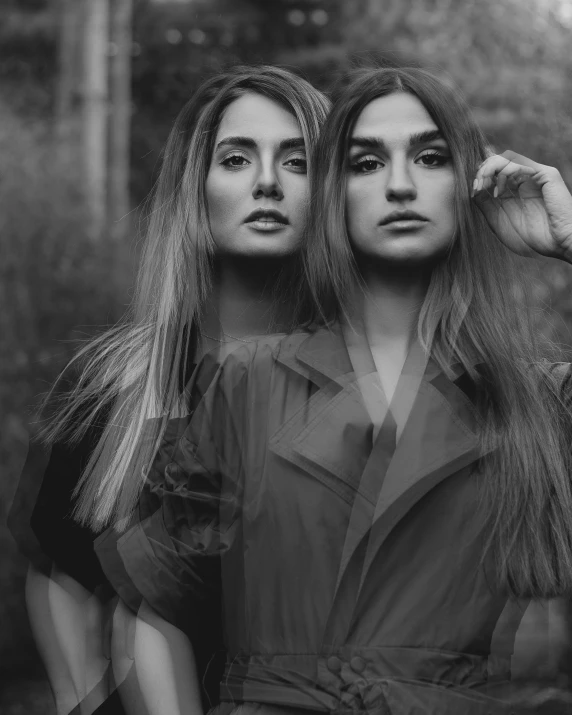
(510, 57)
(52, 281)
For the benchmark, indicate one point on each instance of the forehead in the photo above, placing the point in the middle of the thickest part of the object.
(253, 115)
(394, 117)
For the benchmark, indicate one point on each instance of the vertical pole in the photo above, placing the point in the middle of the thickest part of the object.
(69, 65)
(120, 117)
(95, 110)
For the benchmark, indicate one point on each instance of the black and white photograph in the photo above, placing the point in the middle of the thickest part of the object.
(286, 357)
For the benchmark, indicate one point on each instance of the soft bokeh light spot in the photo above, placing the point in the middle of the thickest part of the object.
(296, 18)
(197, 37)
(319, 17)
(173, 36)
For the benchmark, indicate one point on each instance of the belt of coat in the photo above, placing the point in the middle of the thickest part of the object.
(377, 681)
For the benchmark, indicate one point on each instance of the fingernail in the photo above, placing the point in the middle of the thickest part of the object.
(475, 182)
(496, 192)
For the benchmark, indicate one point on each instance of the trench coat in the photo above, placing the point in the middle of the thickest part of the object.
(346, 555)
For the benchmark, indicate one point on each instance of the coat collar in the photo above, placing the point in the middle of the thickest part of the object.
(321, 355)
(332, 440)
(332, 436)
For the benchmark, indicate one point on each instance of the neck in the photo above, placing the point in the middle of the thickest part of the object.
(391, 303)
(242, 303)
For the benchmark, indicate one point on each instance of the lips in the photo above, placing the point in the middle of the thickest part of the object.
(396, 216)
(267, 216)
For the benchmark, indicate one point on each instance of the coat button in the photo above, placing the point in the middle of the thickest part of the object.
(334, 664)
(357, 664)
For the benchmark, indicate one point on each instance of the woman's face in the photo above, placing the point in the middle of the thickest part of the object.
(257, 186)
(400, 188)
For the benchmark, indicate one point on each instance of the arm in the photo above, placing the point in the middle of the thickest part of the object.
(165, 667)
(163, 679)
(66, 621)
(66, 692)
(186, 519)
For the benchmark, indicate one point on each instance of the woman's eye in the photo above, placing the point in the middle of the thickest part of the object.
(433, 159)
(299, 163)
(235, 161)
(365, 165)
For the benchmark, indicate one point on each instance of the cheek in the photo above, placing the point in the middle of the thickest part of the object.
(296, 194)
(451, 205)
(214, 194)
(222, 198)
(357, 204)
(445, 196)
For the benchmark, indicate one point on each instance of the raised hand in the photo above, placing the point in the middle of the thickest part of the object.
(527, 205)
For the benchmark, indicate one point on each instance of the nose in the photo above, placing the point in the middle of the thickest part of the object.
(267, 184)
(400, 185)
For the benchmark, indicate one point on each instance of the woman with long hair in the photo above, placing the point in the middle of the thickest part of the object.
(376, 493)
(226, 222)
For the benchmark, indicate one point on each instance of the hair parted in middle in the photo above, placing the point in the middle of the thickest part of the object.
(130, 376)
(473, 314)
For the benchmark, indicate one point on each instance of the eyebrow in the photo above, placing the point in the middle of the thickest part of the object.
(249, 143)
(426, 137)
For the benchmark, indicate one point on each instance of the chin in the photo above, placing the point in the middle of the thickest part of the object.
(414, 249)
(262, 248)
(404, 257)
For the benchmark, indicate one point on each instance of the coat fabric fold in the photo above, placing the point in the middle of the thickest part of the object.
(345, 546)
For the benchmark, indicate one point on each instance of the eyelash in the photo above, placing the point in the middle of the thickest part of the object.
(227, 162)
(442, 158)
(358, 165)
(302, 159)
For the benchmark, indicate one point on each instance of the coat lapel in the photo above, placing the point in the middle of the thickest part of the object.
(390, 421)
(439, 439)
(330, 435)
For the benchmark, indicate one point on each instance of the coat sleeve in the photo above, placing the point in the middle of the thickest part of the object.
(188, 514)
(41, 517)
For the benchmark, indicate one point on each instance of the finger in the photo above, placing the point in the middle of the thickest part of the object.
(515, 181)
(485, 183)
(492, 165)
(513, 169)
(512, 177)
(489, 168)
(499, 168)
(508, 183)
(488, 183)
(511, 184)
(502, 181)
(501, 163)
(520, 159)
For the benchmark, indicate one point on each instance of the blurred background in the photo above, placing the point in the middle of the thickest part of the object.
(88, 92)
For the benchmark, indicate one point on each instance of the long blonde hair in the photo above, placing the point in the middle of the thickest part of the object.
(130, 377)
(472, 315)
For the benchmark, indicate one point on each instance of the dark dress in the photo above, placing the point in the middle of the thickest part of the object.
(42, 524)
(348, 557)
